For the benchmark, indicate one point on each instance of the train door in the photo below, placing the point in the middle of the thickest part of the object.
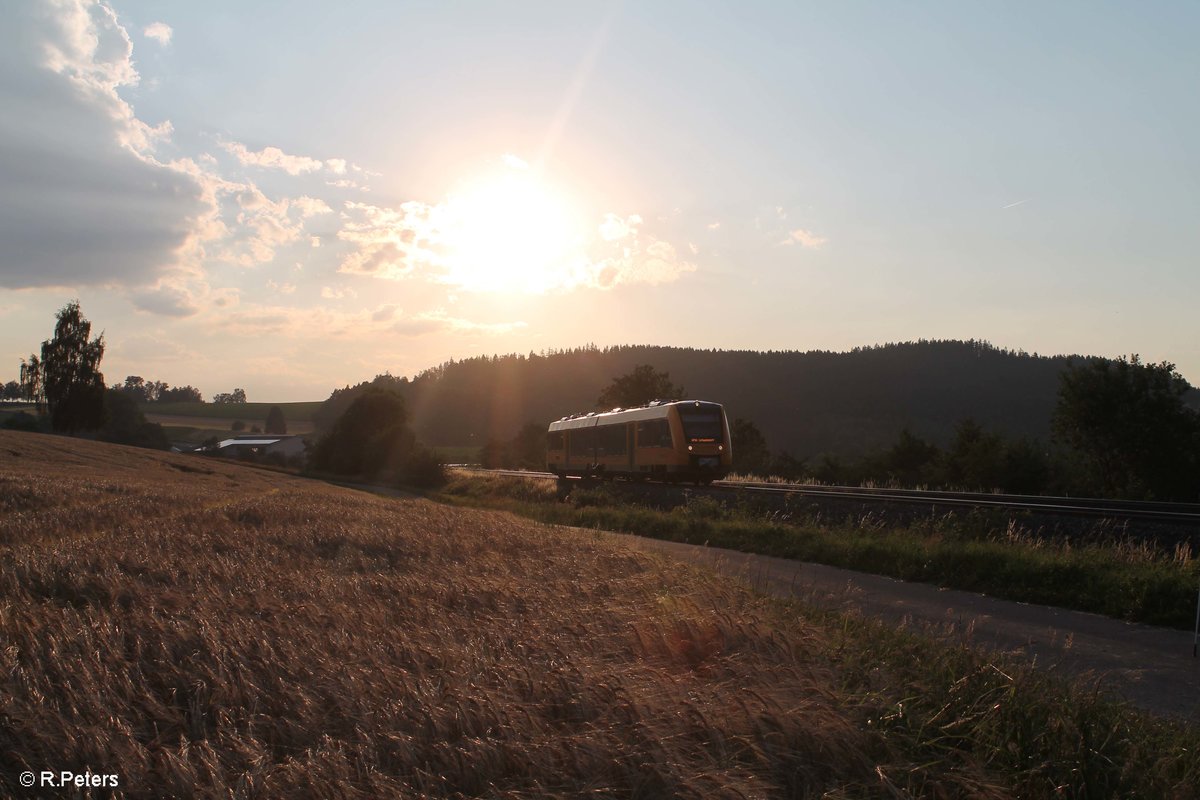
(629, 447)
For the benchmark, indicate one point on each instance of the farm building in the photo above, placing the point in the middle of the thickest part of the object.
(260, 446)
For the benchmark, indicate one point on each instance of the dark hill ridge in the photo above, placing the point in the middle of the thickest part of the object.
(806, 403)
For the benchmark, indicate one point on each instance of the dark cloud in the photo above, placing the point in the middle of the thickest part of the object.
(81, 202)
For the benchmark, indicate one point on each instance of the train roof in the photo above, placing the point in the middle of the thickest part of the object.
(659, 409)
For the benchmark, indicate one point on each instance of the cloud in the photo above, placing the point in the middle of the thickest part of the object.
(805, 239)
(158, 31)
(165, 300)
(390, 243)
(438, 321)
(272, 158)
(385, 313)
(150, 347)
(241, 224)
(82, 199)
(625, 255)
(614, 227)
(324, 323)
(337, 293)
(310, 206)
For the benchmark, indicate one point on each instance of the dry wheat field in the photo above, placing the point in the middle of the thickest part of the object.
(200, 629)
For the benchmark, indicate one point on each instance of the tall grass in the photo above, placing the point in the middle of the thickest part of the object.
(201, 629)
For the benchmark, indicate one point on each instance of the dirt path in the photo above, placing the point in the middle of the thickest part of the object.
(1153, 668)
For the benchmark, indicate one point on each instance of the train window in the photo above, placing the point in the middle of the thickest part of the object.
(654, 433)
(555, 440)
(610, 440)
(702, 426)
(580, 442)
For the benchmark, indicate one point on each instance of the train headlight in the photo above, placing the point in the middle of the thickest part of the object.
(721, 448)
(690, 448)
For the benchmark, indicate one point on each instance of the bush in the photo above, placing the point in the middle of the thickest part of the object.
(20, 421)
(423, 469)
(126, 424)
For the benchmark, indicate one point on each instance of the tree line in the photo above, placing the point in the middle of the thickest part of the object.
(1120, 428)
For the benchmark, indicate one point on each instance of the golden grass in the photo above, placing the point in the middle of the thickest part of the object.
(200, 628)
(203, 629)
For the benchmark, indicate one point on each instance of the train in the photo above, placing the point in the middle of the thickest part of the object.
(668, 441)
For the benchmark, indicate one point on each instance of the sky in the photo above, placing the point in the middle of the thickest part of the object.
(289, 197)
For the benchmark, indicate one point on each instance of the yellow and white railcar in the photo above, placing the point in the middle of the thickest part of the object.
(683, 440)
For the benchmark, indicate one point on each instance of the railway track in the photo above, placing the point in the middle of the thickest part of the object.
(1173, 514)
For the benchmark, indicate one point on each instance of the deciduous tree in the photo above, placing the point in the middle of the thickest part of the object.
(639, 387)
(750, 453)
(236, 396)
(1127, 421)
(31, 381)
(275, 422)
(71, 377)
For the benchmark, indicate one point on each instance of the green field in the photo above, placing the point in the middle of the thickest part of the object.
(247, 412)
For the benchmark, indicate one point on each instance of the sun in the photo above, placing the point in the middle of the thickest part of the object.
(511, 232)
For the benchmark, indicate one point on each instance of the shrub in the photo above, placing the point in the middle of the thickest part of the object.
(423, 469)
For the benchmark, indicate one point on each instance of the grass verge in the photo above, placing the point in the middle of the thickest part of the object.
(1119, 578)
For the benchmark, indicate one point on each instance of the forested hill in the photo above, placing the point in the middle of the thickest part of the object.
(804, 402)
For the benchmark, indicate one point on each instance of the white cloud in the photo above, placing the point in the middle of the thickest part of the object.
(272, 158)
(438, 321)
(324, 323)
(628, 255)
(804, 239)
(310, 206)
(390, 242)
(614, 227)
(158, 31)
(332, 293)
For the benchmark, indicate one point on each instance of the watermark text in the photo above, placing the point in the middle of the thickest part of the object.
(66, 779)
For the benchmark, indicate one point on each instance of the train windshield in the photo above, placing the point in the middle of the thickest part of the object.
(702, 426)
